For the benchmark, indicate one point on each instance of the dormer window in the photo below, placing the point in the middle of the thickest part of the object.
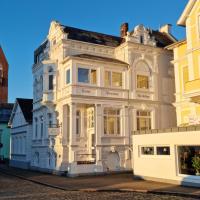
(141, 39)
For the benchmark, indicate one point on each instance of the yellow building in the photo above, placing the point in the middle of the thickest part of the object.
(187, 67)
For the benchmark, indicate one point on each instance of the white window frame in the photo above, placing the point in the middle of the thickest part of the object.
(146, 117)
(89, 78)
(111, 83)
(115, 125)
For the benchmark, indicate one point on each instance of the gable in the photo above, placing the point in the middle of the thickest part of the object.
(187, 11)
(17, 117)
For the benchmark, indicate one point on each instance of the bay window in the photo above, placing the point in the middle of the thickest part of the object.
(112, 121)
(143, 120)
(113, 79)
(87, 76)
(142, 82)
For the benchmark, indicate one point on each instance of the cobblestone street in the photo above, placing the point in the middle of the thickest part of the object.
(15, 188)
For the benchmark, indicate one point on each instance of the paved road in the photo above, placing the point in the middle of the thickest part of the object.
(15, 188)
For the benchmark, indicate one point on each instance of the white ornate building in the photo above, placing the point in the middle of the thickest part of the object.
(91, 90)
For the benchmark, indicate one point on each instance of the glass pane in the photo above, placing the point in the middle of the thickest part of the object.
(143, 123)
(50, 82)
(68, 76)
(142, 82)
(147, 150)
(107, 79)
(93, 77)
(105, 125)
(116, 79)
(163, 150)
(110, 125)
(189, 157)
(118, 125)
(83, 75)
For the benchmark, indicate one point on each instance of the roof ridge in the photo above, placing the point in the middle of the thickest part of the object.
(71, 27)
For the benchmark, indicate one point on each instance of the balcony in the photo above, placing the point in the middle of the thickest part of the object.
(48, 98)
(93, 91)
(54, 130)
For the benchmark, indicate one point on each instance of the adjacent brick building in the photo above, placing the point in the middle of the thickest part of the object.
(3, 77)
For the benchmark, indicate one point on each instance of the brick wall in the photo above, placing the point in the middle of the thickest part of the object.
(4, 81)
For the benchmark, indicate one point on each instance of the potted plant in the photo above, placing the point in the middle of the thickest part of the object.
(196, 164)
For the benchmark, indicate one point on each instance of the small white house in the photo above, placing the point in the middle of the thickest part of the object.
(21, 133)
(166, 155)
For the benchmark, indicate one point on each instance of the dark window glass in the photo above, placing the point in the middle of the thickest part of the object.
(50, 82)
(147, 150)
(68, 76)
(185, 157)
(163, 150)
(83, 75)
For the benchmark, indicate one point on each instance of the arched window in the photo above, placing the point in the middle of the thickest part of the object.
(143, 75)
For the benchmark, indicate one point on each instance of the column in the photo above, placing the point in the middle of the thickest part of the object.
(125, 127)
(98, 132)
(72, 131)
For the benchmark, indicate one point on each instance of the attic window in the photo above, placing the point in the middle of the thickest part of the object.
(141, 39)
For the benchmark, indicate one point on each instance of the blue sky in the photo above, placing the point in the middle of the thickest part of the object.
(24, 25)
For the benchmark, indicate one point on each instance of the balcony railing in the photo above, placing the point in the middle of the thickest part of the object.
(168, 130)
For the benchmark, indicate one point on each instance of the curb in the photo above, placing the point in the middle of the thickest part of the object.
(180, 194)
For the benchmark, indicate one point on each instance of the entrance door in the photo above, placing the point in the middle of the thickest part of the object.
(113, 161)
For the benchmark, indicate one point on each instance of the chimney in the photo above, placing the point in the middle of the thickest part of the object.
(123, 29)
(166, 28)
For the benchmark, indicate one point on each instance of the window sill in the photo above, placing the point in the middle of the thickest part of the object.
(113, 136)
(144, 90)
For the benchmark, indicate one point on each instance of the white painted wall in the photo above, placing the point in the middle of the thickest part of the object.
(162, 167)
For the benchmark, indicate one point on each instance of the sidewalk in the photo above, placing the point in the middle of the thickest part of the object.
(113, 182)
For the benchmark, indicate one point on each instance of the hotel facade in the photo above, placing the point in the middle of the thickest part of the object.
(91, 90)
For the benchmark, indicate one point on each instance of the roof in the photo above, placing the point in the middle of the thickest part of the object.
(176, 44)
(92, 37)
(5, 112)
(26, 106)
(40, 49)
(186, 12)
(162, 39)
(100, 58)
(77, 34)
